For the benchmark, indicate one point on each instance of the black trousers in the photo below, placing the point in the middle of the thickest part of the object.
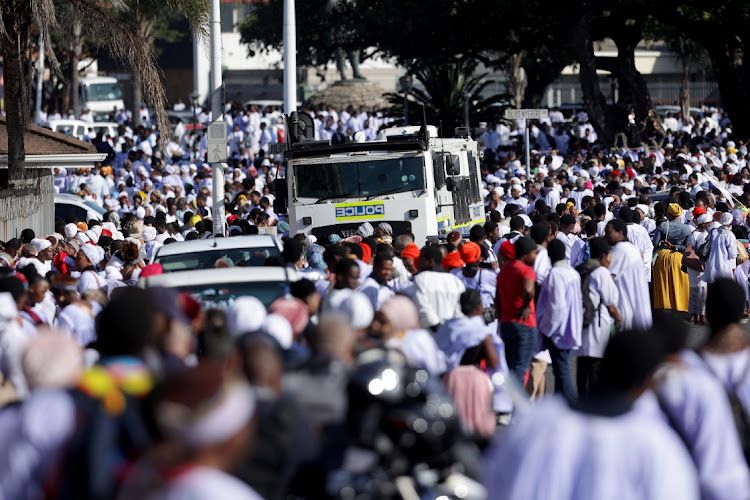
(587, 376)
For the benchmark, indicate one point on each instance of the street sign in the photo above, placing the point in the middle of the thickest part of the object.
(533, 114)
(217, 142)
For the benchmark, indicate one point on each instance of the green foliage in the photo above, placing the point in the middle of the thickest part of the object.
(320, 29)
(442, 97)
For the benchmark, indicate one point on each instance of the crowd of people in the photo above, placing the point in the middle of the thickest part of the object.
(392, 357)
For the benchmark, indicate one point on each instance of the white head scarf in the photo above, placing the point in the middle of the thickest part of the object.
(94, 253)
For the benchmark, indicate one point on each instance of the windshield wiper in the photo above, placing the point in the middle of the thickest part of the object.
(398, 189)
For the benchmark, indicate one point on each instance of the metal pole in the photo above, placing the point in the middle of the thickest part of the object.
(290, 58)
(216, 114)
(465, 97)
(39, 81)
(406, 108)
(528, 152)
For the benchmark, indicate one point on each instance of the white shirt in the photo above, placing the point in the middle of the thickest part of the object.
(603, 293)
(437, 297)
(559, 310)
(204, 483)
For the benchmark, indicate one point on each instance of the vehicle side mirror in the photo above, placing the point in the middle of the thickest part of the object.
(453, 165)
(439, 168)
(451, 184)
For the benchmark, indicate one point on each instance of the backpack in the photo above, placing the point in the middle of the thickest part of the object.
(589, 309)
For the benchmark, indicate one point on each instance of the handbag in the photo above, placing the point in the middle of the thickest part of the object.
(742, 254)
(691, 260)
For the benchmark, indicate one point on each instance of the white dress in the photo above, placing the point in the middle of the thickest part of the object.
(634, 303)
(722, 258)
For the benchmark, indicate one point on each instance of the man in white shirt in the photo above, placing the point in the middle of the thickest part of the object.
(436, 293)
(375, 286)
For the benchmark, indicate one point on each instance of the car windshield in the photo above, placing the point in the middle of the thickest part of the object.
(103, 92)
(223, 295)
(254, 257)
(359, 179)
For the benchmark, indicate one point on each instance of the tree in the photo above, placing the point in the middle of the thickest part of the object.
(692, 56)
(721, 29)
(152, 19)
(444, 88)
(106, 20)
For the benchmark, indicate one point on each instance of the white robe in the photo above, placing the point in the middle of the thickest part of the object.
(576, 454)
(722, 258)
(574, 247)
(542, 265)
(638, 236)
(457, 335)
(559, 311)
(634, 303)
(603, 293)
(420, 350)
(32, 434)
(698, 407)
(485, 282)
(90, 280)
(202, 482)
(696, 239)
(376, 292)
(741, 274)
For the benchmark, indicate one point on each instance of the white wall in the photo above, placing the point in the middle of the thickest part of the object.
(21, 211)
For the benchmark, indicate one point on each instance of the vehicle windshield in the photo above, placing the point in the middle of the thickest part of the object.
(253, 257)
(93, 206)
(359, 179)
(223, 295)
(103, 92)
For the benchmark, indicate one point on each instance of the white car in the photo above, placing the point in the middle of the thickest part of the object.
(244, 251)
(75, 128)
(70, 204)
(218, 288)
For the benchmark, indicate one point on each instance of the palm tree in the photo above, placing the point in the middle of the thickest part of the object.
(444, 88)
(109, 21)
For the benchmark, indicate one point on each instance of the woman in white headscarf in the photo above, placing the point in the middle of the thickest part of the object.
(87, 260)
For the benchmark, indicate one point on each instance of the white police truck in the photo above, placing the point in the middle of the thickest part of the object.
(410, 178)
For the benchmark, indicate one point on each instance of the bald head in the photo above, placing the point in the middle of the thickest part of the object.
(334, 337)
(263, 364)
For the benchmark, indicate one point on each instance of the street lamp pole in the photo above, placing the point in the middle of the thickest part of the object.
(465, 97)
(194, 96)
(406, 83)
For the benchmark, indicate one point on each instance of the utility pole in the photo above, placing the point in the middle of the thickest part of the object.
(290, 59)
(216, 115)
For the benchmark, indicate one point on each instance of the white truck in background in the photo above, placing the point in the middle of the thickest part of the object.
(410, 178)
(101, 95)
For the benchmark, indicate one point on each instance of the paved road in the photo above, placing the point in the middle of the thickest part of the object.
(696, 336)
